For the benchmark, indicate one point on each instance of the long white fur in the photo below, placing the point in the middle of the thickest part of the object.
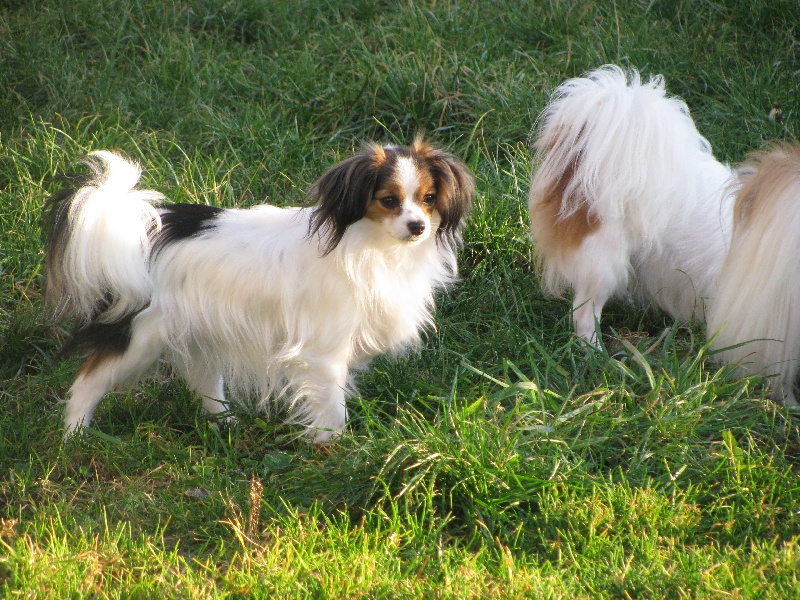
(94, 271)
(661, 200)
(756, 311)
(252, 303)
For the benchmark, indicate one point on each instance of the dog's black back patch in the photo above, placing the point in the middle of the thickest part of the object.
(182, 221)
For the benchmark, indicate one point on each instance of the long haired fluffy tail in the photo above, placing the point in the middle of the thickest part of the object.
(756, 311)
(99, 243)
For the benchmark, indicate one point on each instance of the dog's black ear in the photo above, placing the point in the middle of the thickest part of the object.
(455, 186)
(341, 197)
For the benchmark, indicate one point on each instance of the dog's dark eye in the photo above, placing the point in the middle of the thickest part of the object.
(390, 202)
(429, 200)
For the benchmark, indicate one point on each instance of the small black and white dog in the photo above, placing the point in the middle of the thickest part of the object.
(278, 302)
(628, 200)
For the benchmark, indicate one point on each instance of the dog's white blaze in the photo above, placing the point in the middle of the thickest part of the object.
(408, 177)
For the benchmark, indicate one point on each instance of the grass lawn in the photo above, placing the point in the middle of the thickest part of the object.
(502, 460)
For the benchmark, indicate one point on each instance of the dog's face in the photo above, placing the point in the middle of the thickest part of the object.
(409, 192)
(403, 203)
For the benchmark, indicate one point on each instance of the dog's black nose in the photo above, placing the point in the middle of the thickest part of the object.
(416, 227)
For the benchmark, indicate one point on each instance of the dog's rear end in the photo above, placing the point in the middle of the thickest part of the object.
(627, 199)
(97, 274)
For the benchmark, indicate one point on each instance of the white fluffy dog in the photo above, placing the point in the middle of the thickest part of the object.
(278, 302)
(629, 201)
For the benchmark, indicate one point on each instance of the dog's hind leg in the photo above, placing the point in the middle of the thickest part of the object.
(109, 366)
(598, 271)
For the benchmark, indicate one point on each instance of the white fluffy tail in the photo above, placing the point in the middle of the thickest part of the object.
(97, 260)
(756, 312)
